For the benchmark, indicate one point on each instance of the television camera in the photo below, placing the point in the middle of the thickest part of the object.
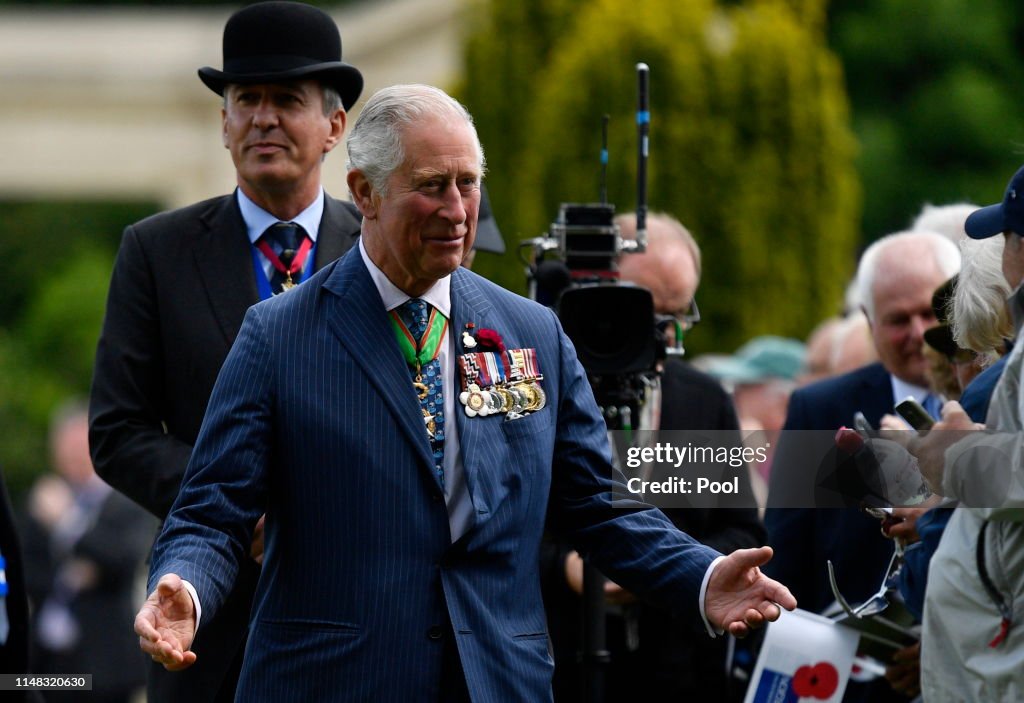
(613, 325)
(618, 337)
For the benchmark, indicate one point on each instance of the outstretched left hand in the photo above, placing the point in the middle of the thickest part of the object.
(740, 598)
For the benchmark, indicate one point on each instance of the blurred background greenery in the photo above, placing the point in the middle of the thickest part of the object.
(786, 134)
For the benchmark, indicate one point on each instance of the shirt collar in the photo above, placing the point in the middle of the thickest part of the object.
(438, 295)
(257, 220)
(901, 389)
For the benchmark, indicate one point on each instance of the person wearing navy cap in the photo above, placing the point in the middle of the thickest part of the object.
(972, 646)
(184, 279)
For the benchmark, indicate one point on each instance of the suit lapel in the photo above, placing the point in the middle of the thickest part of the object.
(357, 318)
(468, 305)
(877, 394)
(224, 260)
(339, 229)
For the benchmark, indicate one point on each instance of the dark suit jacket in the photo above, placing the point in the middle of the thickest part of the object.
(181, 285)
(313, 418)
(672, 661)
(805, 538)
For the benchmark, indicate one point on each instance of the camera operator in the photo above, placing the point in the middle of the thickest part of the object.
(654, 657)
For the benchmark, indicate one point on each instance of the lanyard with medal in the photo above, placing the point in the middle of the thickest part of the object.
(295, 260)
(419, 352)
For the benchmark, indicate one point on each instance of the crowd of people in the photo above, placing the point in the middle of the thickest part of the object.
(378, 476)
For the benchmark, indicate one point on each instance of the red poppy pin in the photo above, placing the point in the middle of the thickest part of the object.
(487, 340)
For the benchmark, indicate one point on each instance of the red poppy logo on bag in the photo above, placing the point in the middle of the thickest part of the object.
(819, 681)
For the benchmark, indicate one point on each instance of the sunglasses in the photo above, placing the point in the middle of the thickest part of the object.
(880, 600)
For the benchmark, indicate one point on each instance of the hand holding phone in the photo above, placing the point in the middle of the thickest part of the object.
(915, 414)
(861, 424)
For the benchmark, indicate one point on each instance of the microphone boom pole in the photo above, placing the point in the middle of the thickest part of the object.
(643, 124)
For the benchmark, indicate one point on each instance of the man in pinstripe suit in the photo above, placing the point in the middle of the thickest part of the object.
(401, 564)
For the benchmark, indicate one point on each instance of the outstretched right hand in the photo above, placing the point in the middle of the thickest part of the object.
(166, 624)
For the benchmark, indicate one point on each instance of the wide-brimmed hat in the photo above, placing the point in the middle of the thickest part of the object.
(940, 337)
(760, 360)
(1007, 216)
(275, 42)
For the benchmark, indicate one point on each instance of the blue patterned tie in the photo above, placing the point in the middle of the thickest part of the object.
(415, 313)
(933, 404)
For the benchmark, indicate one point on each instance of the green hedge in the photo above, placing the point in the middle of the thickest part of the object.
(60, 255)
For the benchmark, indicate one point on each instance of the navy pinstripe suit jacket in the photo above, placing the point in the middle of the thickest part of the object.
(313, 421)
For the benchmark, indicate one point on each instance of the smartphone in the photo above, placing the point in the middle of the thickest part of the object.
(879, 513)
(861, 424)
(915, 414)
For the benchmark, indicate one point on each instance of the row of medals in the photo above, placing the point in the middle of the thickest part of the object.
(514, 399)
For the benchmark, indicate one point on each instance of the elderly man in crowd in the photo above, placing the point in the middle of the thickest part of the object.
(895, 278)
(406, 426)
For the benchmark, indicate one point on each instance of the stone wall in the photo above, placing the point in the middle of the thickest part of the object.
(106, 103)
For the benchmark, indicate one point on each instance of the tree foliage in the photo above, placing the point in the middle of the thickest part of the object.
(50, 316)
(934, 90)
(750, 144)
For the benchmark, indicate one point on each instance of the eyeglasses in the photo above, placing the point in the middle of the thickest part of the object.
(675, 325)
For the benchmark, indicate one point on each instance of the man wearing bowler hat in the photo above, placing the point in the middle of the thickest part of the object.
(184, 279)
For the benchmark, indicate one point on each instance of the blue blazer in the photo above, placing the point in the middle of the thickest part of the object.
(803, 538)
(314, 422)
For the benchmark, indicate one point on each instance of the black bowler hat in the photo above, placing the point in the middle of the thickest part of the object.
(274, 42)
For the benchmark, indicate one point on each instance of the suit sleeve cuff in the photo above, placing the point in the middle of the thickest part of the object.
(712, 631)
(199, 609)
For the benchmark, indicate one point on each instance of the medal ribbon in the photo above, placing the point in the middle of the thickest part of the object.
(495, 364)
(470, 370)
(486, 372)
(523, 365)
(419, 352)
(532, 367)
(297, 261)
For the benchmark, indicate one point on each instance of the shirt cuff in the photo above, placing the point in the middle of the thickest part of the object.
(712, 631)
(199, 609)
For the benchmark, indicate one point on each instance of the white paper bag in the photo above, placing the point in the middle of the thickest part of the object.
(805, 658)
